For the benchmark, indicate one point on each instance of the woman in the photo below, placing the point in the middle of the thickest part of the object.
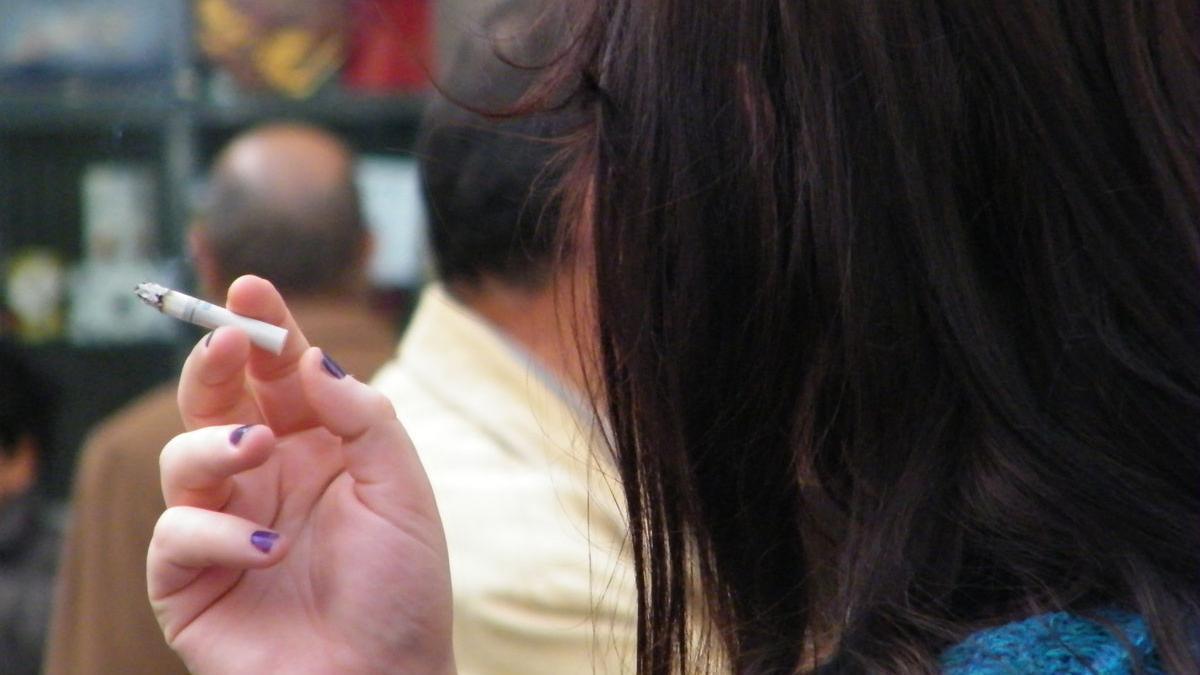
(898, 307)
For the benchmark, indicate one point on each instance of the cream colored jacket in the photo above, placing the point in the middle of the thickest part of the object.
(539, 558)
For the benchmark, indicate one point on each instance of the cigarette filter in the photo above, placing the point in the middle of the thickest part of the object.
(201, 313)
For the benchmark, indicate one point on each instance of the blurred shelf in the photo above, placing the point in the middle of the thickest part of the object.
(148, 110)
(90, 112)
(338, 109)
(101, 349)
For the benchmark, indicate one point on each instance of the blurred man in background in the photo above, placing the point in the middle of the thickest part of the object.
(489, 380)
(29, 532)
(282, 204)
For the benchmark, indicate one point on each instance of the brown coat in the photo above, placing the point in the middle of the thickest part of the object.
(102, 622)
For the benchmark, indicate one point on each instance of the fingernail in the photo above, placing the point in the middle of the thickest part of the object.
(263, 540)
(332, 367)
(208, 340)
(236, 436)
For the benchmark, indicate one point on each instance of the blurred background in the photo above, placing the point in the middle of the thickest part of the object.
(111, 112)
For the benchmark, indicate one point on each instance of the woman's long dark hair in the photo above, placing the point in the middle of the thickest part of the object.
(900, 309)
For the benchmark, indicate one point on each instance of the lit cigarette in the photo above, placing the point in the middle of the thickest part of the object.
(201, 313)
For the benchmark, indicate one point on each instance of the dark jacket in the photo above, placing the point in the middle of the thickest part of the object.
(29, 541)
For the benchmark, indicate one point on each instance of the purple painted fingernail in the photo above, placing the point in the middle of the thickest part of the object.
(263, 540)
(332, 367)
(236, 436)
(208, 340)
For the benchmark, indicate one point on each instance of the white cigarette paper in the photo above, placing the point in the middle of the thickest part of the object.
(196, 311)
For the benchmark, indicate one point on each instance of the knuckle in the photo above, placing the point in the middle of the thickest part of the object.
(379, 406)
(169, 457)
(168, 527)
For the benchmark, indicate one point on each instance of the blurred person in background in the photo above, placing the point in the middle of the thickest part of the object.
(29, 530)
(490, 382)
(282, 203)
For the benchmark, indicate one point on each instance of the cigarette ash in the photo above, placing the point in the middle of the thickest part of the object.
(151, 294)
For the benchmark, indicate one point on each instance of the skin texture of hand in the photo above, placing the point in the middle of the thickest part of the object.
(357, 580)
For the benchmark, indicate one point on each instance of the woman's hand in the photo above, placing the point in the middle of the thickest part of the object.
(308, 542)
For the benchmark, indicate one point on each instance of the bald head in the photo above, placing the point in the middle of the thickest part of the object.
(282, 204)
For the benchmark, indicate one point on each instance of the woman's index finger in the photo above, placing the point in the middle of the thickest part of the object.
(212, 387)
